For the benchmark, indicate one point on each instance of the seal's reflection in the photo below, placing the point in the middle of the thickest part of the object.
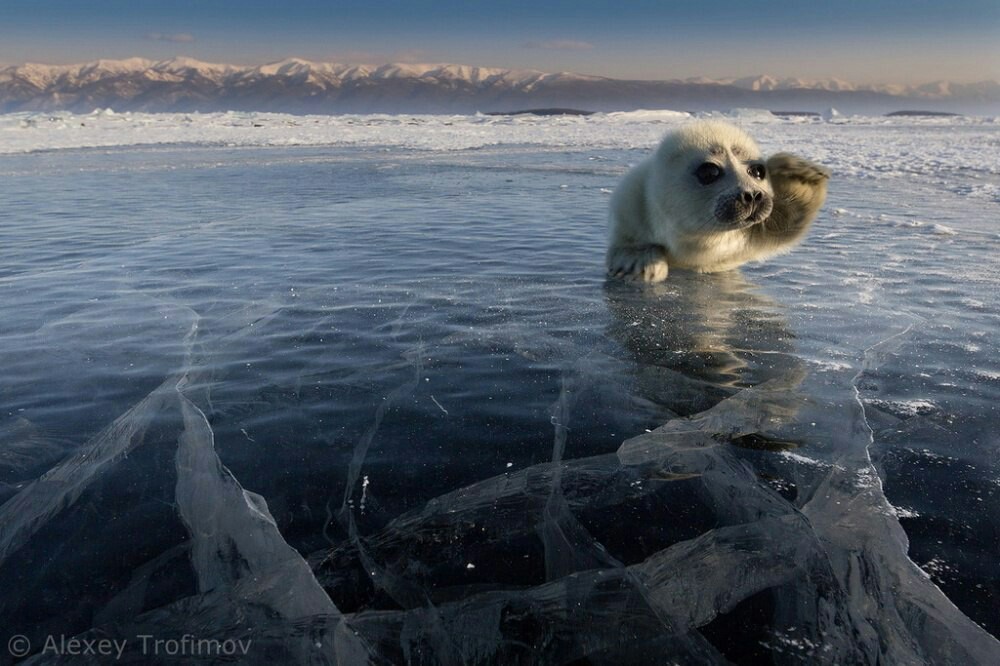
(697, 339)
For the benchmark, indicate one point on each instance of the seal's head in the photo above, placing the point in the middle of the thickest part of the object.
(713, 178)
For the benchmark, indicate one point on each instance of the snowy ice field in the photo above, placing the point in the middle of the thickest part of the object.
(354, 389)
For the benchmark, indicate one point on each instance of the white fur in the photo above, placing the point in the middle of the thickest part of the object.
(663, 217)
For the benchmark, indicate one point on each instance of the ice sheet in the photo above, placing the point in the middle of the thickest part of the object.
(357, 405)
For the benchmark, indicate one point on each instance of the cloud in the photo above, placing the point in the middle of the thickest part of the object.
(560, 45)
(178, 38)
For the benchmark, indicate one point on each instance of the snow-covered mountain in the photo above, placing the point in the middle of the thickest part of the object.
(296, 85)
(933, 90)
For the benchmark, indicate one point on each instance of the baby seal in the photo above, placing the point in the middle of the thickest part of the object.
(708, 201)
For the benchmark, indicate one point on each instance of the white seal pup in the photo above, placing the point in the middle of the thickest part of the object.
(708, 201)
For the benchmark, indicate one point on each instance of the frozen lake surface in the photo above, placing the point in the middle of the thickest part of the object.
(349, 389)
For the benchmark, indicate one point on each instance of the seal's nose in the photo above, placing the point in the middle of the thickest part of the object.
(754, 197)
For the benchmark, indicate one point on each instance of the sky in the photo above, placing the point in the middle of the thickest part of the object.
(882, 41)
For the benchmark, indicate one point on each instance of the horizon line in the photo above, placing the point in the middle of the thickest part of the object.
(688, 79)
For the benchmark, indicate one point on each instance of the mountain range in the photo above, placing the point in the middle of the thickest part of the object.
(300, 86)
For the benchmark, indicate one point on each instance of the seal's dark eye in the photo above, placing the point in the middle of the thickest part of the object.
(708, 173)
(757, 171)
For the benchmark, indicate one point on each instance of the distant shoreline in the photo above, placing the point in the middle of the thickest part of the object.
(186, 85)
(555, 111)
(947, 114)
(542, 112)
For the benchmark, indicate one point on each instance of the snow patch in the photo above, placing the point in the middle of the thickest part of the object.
(905, 408)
